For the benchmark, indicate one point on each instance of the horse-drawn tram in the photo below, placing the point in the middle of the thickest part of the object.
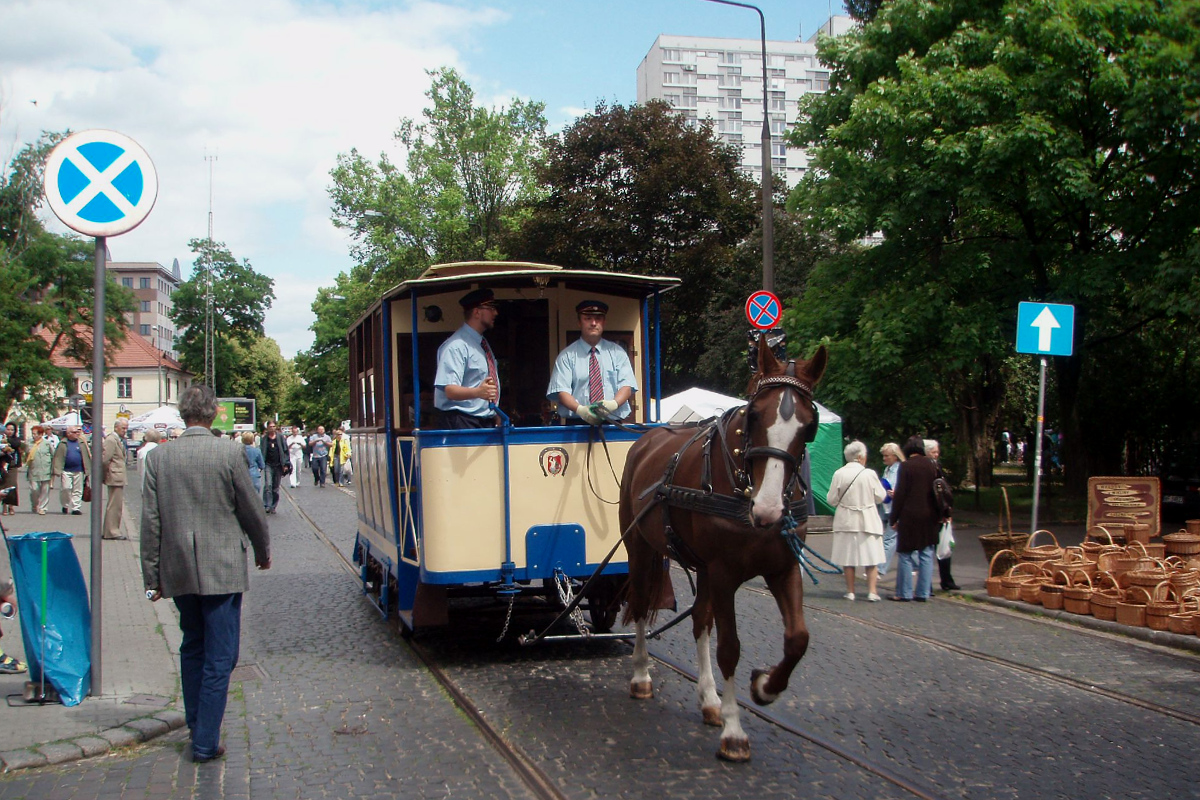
(524, 507)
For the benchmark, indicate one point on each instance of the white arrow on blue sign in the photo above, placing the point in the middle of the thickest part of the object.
(100, 183)
(1046, 329)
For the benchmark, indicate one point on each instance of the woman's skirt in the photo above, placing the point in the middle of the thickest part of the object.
(10, 482)
(855, 549)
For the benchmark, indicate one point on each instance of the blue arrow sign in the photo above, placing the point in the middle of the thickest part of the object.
(1046, 329)
(100, 183)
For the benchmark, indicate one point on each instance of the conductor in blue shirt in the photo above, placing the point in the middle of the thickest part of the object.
(466, 385)
(593, 380)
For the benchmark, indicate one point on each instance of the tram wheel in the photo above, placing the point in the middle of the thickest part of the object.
(602, 602)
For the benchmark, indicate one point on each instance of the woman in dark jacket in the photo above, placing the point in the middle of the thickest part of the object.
(917, 520)
(10, 453)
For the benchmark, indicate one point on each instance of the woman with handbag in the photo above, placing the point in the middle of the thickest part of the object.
(855, 492)
(917, 520)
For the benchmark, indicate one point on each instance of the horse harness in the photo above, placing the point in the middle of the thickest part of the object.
(735, 506)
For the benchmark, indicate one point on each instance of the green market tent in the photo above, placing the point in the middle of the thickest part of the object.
(824, 454)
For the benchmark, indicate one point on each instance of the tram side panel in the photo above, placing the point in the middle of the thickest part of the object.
(557, 520)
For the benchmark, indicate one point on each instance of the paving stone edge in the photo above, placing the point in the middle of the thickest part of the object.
(1163, 638)
(136, 731)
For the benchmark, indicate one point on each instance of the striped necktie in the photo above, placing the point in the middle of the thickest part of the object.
(491, 362)
(595, 385)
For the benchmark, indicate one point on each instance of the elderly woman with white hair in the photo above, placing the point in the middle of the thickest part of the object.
(855, 491)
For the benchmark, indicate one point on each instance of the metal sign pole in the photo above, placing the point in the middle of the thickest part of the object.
(1037, 450)
(97, 466)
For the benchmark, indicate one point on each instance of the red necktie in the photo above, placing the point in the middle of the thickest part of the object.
(491, 362)
(595, 385)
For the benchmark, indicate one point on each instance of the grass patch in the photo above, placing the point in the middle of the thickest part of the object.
(1054, 505)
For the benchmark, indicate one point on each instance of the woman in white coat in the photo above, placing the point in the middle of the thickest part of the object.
(855, 491)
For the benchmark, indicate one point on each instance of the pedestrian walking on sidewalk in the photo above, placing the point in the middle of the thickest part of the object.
(917, 520)
(72, 462)
(855, 492)
(199, 508)
(113, 462)
(296, 444)
(10, 453)
(254, 459)
(319, 444)
(39, 469)
(275, 456)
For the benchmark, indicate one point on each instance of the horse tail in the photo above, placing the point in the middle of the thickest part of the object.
(647, 579)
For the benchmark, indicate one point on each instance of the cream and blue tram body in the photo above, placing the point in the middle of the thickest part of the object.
(521, 509)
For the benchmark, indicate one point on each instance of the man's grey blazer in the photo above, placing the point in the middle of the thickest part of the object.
(199, 515)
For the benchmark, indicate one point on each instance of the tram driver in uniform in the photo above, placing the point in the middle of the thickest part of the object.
(592, 379)
(466, 386)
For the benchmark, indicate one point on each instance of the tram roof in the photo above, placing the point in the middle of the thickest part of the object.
(495, 274)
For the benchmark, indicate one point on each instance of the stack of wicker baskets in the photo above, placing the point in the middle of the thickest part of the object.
(1004, 543)
(1126, 584)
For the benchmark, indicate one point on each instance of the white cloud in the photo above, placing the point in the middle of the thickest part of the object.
(275, 89)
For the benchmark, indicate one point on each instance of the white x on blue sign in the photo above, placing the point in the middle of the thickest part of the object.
(100, 183)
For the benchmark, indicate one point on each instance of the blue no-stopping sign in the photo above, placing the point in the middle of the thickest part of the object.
(100, 183)
(763, 310)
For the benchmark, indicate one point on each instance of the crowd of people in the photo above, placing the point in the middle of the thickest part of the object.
(899, 514)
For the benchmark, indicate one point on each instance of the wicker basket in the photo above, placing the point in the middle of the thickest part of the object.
(1038, 554)
(1077, 595)
(1192, 526)
(1161, 606)
(1003, 540)
(1184, 579)
(1132, 610)
(1115, 531)
(1183, 543)
(1018, 576)
(1031, 591)
(1073, 560)
(1104, 599)
(1184, 620)
(1157, 550)
(1148, 574)
(996, 573)
(1137, 532)
(1052, 596)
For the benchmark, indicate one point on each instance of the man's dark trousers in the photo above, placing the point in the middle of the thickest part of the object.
(212, 632)
(271, 482)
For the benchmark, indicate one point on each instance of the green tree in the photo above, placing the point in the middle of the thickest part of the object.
(1006, 151)
(321, 395)
(263, 374)
(46, 284)
(240, 298)
(637, 189)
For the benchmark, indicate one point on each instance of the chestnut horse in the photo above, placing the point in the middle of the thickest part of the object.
(716, 498)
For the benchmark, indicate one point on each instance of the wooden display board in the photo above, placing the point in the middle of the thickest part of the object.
(1124, 500)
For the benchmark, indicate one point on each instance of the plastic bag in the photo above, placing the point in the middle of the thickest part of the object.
(56, 622)
(946, 540)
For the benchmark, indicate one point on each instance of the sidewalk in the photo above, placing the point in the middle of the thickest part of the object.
(139, 648)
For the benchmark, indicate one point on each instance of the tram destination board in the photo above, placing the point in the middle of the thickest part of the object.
(1124, 500)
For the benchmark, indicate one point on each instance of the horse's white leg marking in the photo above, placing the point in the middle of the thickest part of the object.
(640, 686)
(767, 503)
(758, 683)
(731, 714)
(706, 685)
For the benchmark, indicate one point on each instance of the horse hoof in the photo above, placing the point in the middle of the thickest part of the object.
(712, 716)
(641, 690)
(758, 684)
(736, 750)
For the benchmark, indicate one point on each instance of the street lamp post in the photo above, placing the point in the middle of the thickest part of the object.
(768, 220)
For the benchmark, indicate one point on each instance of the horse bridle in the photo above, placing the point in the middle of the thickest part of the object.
(787, 409)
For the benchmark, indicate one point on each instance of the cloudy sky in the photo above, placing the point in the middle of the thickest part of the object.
(275, 89)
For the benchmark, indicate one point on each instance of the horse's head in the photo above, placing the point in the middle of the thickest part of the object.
(779, 420)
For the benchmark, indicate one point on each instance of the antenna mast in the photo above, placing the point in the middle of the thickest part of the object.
(210, 342)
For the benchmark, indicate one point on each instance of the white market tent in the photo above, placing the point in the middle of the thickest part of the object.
(164, 417)
(62, 423)
(824, 454)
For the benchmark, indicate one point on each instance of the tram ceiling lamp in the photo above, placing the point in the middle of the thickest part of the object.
(433, 313)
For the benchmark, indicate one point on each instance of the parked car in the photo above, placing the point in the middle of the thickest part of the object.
(1180, 492)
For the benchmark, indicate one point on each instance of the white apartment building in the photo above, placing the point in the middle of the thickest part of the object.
(152, 285)
(721, 79)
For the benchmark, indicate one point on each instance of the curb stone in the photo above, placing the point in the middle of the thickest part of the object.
(131, 733)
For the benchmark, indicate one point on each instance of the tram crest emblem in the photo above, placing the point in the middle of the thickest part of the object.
(553, 461)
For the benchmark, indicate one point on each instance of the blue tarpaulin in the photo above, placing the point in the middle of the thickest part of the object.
(56, 621)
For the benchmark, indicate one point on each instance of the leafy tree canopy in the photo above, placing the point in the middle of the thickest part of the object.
(1007, 151)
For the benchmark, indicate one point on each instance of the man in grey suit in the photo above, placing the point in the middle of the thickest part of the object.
(199, 514)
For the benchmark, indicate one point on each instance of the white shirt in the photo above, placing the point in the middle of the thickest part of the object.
(296, 443)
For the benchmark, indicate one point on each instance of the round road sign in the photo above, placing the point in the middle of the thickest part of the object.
(100, 183)
(763, 310)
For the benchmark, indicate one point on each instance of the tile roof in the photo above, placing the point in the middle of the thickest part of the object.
(134, 353)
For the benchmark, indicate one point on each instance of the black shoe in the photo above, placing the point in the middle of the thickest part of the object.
(950, 587)
(64, 508)
(920, 599)
(898, 599)
(202, 759)
(76, 513)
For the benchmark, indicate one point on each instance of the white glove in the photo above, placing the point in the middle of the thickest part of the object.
(607, 407)
(588, 415)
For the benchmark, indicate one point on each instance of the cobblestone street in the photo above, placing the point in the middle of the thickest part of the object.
(959, 699)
